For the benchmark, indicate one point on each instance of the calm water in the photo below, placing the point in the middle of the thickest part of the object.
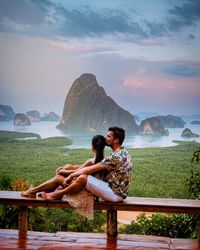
(48, 129)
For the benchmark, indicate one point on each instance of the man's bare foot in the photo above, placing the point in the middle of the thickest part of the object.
(29, 193)
(51, 196)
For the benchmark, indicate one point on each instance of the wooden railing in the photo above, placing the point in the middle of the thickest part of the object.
(163, 205)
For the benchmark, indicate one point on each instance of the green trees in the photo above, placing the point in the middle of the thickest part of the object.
(176, 225)
(193, 181)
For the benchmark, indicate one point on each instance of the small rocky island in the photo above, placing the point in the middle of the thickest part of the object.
(51, 116)
(152, 126)
(33, 115)
(6, 113)
(195, 123)
(187, 133)
(21, 119)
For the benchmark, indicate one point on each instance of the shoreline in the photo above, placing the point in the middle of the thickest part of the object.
(126, 217)
(83, 141)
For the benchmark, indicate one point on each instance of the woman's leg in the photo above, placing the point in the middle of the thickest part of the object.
(74, 187)
(49, 185)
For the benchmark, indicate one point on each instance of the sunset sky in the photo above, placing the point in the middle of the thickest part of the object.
(146, 54)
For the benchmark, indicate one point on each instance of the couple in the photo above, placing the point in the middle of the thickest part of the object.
(116, 169)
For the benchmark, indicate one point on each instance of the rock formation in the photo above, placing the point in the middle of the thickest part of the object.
(187, 133)
(152, 126)
(195, 122)
(171, 121)
(33, 115)
(21, 120)
(6, 113)
(51, 116)
(88, 108)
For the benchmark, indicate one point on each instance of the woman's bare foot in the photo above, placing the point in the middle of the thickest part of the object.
(51, 196)
(29, 193)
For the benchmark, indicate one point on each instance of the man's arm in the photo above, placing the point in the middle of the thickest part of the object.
(86, 170)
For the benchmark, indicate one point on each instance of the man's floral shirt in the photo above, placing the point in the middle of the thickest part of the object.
(119, 167)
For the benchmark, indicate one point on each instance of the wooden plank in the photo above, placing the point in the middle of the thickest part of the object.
(184, 244)
(156, 204)
(86, 241)
(130, 204)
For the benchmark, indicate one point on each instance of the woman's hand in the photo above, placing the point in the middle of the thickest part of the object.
(68, 180)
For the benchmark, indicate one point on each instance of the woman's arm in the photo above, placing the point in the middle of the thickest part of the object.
(69, 168)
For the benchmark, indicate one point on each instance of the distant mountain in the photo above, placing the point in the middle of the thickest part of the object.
(195, 122)
(189, 118)
(88, 108)
(171, 121)
(51, 116)
(145, 115)
(6, 113)
(33, 115)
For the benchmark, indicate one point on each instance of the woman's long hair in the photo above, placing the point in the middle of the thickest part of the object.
(99, 143)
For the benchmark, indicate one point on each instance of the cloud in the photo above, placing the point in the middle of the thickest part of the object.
(184, 70)
(24, 12)
(52, 19)
(186, 15)
(152, 83)
(82, 21)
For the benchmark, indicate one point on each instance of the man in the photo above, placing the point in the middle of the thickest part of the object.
(114, 187)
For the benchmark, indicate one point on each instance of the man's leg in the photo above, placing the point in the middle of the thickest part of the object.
(101, 189)
(49, 185)
(74, 187)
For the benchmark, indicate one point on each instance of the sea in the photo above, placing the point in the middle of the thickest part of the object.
(48, 129)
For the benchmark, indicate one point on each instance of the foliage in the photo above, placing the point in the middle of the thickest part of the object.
(20, 185)
(157, 172)
(193, 182)
(5, 183)
(60, 219)
(173, 226)
(10, 136)
(161, 172)
(196, 155)
(8, 216)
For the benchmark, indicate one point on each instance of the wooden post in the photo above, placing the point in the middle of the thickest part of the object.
(112, 222)
(23, 221)
(199, 231)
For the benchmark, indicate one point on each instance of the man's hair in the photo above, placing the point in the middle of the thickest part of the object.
(118, 133)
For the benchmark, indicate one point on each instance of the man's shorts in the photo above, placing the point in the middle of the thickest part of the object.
(101, 189)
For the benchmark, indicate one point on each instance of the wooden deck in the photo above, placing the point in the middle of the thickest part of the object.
(130, 204)
(9, 239)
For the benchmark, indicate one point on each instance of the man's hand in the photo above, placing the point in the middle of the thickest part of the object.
(65, 172)
(58, 169)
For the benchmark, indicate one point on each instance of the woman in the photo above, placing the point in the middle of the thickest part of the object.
(98, 145)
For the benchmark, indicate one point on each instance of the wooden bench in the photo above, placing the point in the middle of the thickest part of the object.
(162, 205)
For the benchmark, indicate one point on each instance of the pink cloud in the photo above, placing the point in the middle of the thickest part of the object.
(160, 87)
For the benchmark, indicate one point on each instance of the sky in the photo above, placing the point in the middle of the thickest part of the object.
(145, 54)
